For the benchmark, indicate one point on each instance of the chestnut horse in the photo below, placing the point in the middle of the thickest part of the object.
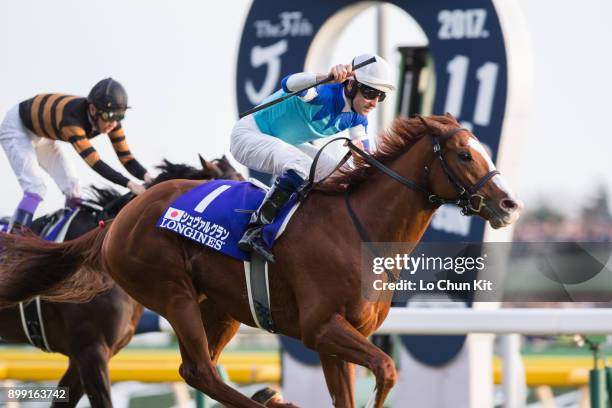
(316, 282)
(90, 333)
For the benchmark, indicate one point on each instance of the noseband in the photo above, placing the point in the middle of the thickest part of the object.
(469, 201)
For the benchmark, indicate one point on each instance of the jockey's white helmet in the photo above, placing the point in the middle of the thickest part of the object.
(376, 75)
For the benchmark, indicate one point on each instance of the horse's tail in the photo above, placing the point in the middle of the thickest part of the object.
(70, 271)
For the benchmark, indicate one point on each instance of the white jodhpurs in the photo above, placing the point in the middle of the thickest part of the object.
(269, 154)
(28, 153)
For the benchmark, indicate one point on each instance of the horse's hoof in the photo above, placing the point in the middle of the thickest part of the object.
(271, 398)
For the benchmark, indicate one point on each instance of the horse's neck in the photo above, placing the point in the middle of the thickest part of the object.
(390, 211)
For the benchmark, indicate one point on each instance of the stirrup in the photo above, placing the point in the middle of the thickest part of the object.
(252, 241)
(262, 250)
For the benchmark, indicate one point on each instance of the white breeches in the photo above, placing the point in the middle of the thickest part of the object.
(28, 153)
(269, 154)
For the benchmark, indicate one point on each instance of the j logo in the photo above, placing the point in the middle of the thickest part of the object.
(270, 56)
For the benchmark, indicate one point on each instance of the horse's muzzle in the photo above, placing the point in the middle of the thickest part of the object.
(507, 212)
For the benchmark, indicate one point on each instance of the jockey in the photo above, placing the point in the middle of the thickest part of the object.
(275, 140)
(32, 129)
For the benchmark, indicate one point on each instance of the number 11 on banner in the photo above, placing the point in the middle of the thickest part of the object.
(486, 75)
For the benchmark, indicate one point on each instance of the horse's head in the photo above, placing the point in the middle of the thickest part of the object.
(105, 203)
(222, 169)
(173, 171)
(463, 173)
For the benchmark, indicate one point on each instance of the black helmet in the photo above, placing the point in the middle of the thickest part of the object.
(108, 95)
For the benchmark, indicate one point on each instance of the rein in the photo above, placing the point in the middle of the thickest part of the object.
(469, 201)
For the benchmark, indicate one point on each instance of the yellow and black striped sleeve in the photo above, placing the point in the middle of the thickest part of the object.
(117, 137)
(44, 113)
(77, 137)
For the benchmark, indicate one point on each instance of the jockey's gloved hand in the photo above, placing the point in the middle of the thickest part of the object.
(341, 73)
(149, 178)
(136, 188)
(362, 144)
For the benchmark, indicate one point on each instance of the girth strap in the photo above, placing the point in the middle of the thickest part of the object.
(33, 326)
(258, 291)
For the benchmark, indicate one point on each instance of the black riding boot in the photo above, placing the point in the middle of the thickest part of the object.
(275, 200)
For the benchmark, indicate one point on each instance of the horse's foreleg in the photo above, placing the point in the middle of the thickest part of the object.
(339, 338)
(340, 379)
(220, 328)
(183, 313)
(72, 381)
(93, 368)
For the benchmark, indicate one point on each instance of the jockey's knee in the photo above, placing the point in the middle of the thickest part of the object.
(301, 167)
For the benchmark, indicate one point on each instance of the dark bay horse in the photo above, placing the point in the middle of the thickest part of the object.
(91, 333)
(316, 282)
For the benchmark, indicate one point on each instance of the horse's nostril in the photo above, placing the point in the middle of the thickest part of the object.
(509, 204)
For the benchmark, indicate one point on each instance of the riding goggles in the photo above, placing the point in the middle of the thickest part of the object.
(111, 115)
(371, 93)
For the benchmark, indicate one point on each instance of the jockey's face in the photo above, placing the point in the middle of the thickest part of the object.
(361, 104)
(101, 125)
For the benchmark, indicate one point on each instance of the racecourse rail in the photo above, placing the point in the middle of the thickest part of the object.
(265, 367)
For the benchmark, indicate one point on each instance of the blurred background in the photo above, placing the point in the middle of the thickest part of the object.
(179, 64)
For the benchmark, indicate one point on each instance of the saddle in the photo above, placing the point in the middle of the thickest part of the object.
(215, 214)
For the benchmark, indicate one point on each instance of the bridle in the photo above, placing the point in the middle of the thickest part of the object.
(468, 200)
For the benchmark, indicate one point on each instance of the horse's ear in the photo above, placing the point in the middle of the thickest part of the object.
(203, 162)
(430, 125)
(450, 116)
(214, 170)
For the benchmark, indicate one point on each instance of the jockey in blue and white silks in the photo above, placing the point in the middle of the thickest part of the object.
(275, 140)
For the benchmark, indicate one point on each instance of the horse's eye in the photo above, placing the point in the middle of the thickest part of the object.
(465, 156)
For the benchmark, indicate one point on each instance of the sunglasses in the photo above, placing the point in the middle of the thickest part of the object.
(371, 93)
(111, 116)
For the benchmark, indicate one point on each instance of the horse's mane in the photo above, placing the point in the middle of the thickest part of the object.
(403, 133)
(104, 196)
(173, 171)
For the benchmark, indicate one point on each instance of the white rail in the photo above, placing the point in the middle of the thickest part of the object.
(498, 321)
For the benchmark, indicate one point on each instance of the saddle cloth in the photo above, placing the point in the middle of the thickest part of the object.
(216, 213)
(4, 223)
(57, 225)
(51, 227)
